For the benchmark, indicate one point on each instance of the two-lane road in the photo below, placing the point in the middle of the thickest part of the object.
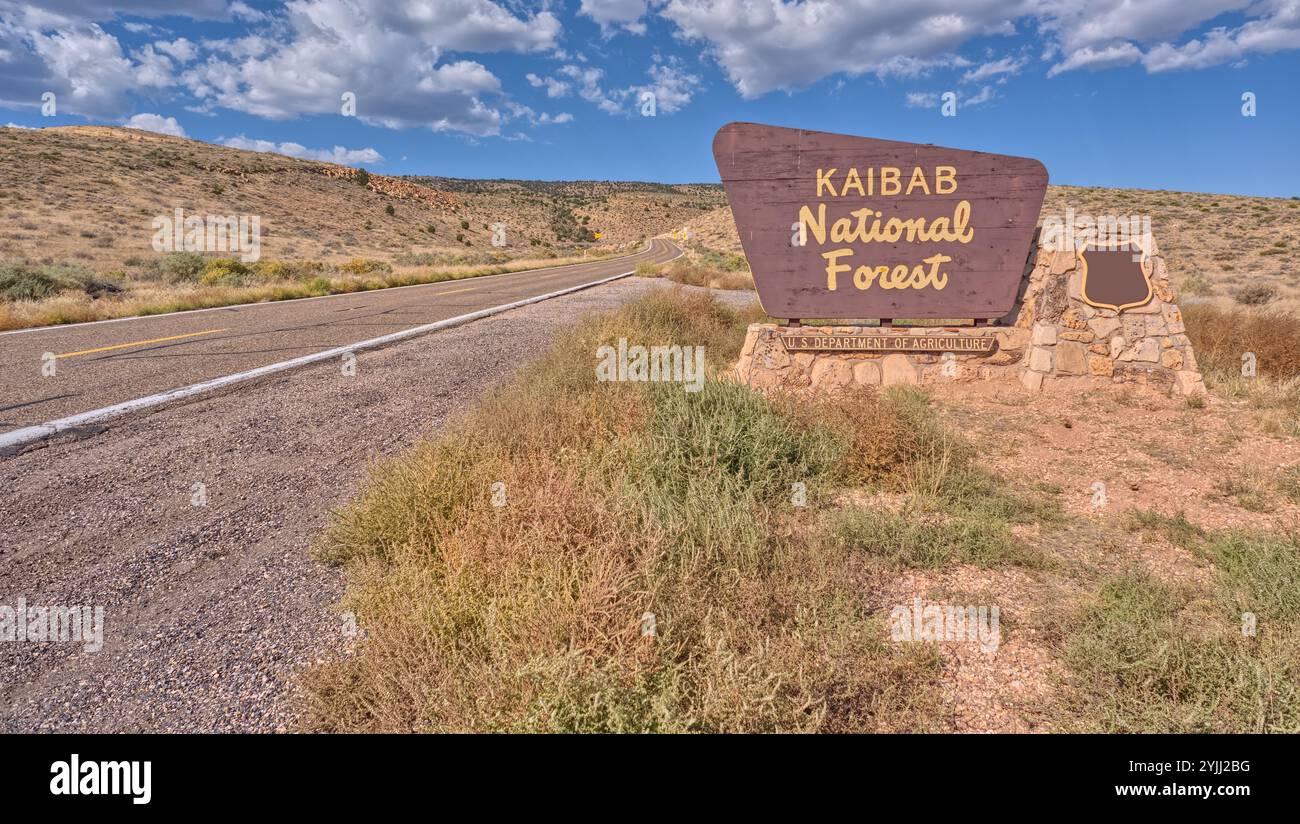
(101, 364)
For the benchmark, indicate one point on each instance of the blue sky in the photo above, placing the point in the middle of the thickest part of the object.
(1105, 92)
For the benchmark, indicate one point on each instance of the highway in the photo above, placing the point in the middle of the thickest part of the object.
(98, 365)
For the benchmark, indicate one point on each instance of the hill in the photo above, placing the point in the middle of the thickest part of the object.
(88, 195)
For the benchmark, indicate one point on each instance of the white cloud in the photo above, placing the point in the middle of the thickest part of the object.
(1005, 66)
(242, 11)
(588, 82)
(180, 49)
(386, 54)
(338, 154)
(419, 62)
(767, 45)
(672, 86)
(83, 65)
(984, 95)
(1275, 32)
(149, 122)
(608, 13)
(300, 60)
(153, 70)
(922, 100)
(554, 88)
(1102, 57)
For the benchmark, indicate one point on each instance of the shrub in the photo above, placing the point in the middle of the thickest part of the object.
(1198, 286)
(362, 177)
(23, 282)
(362, 266)
(19, 282)
(1256, 295)
(417, 259)
(224, 272)
(389, 210)
(180, 267)
(287, 269)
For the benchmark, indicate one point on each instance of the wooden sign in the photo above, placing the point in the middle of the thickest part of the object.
(1115, 278)
(863, 342)
(836, 226)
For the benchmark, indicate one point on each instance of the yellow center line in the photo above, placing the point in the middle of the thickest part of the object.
(137, 343)
(454, 291)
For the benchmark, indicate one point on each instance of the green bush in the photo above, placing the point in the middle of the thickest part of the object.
(224, 272)
(28, 283)
(180, 267)
(24, 282)
(362, 266)
(287, 269)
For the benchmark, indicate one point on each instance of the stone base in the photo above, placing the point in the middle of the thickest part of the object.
(1027, 357)
(764, 361)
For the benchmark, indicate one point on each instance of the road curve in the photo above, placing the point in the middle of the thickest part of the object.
(101, 364)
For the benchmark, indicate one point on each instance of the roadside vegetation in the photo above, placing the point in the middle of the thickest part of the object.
(702, 266)
(1225, 338)
(43, 295)
(1148, 655)
(629, 500)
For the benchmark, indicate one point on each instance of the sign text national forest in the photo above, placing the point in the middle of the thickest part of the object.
(836, 226)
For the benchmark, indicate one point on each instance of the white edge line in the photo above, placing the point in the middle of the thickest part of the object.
(30, 434)
(65, 326)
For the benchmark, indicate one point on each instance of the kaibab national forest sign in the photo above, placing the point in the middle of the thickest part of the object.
(836, 226)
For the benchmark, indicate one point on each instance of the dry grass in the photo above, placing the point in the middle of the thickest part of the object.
(1222, 335)
(622, 500)
(146, 294)
(694, 274)
(704, 266)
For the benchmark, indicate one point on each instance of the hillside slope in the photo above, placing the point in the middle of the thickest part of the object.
(88, 195)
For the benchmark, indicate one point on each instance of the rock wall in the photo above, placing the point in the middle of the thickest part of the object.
(1143, 344)
(1052, 335)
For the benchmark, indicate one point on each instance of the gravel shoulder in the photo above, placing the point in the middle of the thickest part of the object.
(210, 610)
